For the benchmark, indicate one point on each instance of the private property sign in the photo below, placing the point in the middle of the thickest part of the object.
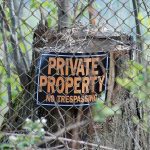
(68, 79)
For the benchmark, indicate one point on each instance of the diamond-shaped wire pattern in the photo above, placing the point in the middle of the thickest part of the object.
(120, 117)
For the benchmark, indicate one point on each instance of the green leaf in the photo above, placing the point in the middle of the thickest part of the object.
(99, 118)
(140, 16)
(54, 10)
(22, 46)
(6, 147)
(135, 120)
(2, 70)
(126, 83)
(141, 95)
(1, 101)
(46, 4)
(108, 111)
(138, 66)
(9, 80)
(116, 109)
(49, 20)
(23, 144)
(35, 4)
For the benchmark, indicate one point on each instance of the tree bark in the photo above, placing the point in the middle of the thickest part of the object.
(63, 14)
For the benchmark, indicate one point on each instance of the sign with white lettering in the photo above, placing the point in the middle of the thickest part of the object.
(68, 79)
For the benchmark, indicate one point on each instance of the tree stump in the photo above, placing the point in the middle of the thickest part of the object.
(74, 40)
(81, 39)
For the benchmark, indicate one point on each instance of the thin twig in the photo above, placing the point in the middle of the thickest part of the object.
(132, 136)
(75, 135)
(50, 138)
(147, 11)
(83, 143)
(70, 127)
(138, 30)
(63, 120)
(20, 7)
(61, 132)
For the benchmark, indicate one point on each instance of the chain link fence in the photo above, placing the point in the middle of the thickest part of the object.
(69, 39)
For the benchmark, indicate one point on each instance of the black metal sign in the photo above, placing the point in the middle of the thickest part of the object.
(68, 79)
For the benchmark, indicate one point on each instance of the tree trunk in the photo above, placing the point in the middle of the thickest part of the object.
(63, 14)
(60, 117)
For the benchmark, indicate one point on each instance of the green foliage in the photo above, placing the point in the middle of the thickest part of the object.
(35, 134)
(39, 3)
(102, 111)
(6, 147)
(144, 123)
(145, 20)
(3, 93)
(137, 81)
(47, 8)
(13, 81)
(145, 27)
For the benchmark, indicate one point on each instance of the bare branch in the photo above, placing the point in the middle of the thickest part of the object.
(70, 127)
(19, 14)
(63, 120)
(7, 66)
(83, 143)
(82, 11)
(19, 61)
(50, 138)
(20, 7)
(92, 14)
(3, 16)
(138, 30)
(59, 133)
(75, 8)
(148, 13)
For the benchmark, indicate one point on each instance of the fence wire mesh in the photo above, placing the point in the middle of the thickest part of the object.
(119, 119)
